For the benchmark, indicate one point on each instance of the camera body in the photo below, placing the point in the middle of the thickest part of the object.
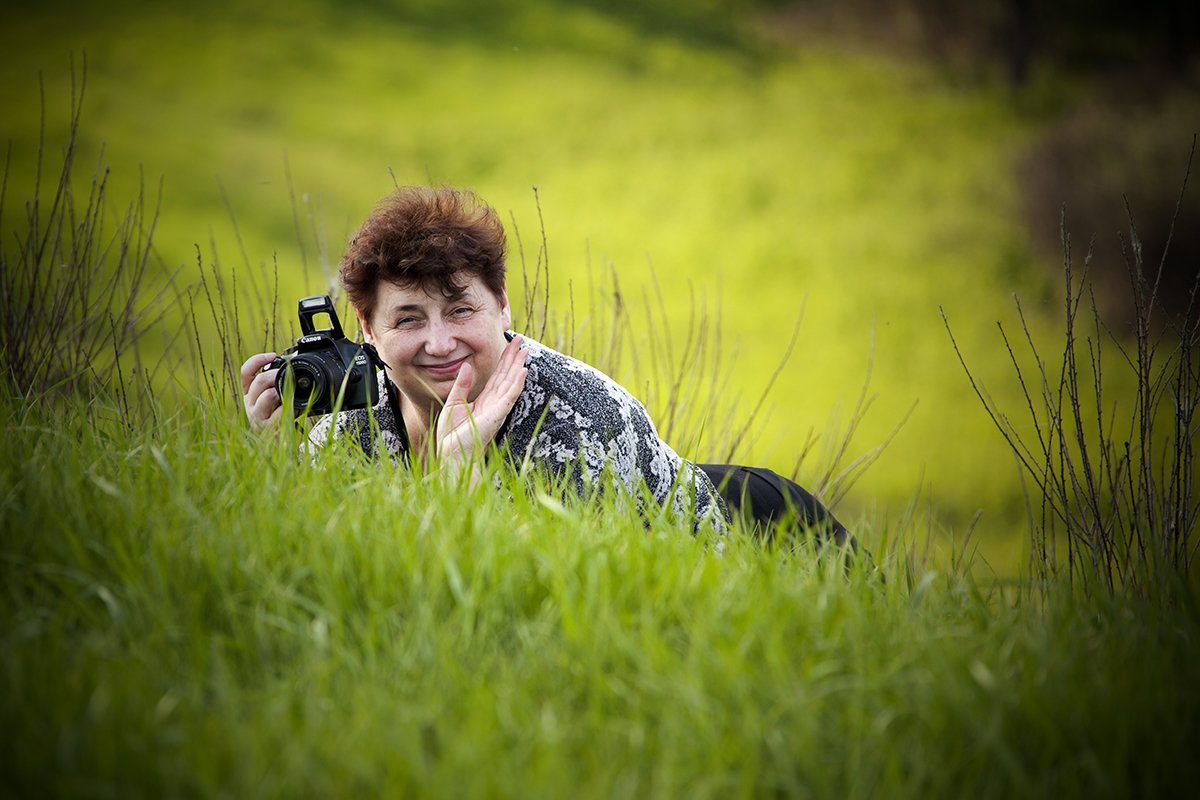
(327, 369)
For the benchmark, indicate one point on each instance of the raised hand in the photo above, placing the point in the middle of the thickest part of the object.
(465, 427)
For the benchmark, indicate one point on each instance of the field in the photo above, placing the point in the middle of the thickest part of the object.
(762, 184)
(197, 614)
(189, 610)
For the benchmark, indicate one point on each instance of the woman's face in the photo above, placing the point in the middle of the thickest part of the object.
(425, 339)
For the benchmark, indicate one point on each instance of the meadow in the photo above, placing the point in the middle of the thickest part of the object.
(760, 185)
(191, 610)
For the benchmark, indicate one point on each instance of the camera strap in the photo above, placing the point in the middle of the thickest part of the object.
(373, 354)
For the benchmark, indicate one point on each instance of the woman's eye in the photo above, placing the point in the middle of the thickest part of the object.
(461, 311)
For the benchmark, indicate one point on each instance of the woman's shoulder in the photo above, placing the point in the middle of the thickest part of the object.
(574, 384)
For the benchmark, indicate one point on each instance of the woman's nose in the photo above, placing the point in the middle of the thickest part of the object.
(440, 341)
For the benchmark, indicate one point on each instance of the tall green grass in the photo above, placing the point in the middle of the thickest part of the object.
(189, 610)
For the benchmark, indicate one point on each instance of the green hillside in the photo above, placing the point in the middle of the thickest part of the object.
(759, 181)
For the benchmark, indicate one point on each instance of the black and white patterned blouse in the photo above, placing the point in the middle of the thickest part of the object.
(573, 420)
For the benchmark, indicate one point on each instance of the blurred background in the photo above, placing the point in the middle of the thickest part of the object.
(865, 165)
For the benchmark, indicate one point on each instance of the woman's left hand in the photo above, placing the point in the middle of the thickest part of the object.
(465, 427)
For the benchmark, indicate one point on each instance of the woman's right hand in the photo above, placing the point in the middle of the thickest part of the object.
(263, 405)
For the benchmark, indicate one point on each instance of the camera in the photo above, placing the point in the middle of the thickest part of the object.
(328, 370)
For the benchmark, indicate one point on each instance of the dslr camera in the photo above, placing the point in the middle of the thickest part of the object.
(327, 369)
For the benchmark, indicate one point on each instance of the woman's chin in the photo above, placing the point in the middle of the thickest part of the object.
(429, 394)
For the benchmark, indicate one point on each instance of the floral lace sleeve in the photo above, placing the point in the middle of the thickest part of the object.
(575, 420)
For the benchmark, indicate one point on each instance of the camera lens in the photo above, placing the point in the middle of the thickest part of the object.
(310, 384)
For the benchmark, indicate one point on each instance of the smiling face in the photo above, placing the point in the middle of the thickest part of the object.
(425, 338)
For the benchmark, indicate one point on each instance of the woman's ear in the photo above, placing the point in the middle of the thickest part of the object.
(368, 334)
(505, 309)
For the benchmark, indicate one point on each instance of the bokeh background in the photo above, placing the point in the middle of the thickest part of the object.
(864, 164)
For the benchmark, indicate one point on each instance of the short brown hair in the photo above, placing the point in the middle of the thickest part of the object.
(424, 237)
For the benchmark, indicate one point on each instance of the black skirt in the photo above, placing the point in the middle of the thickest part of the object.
(766, 499)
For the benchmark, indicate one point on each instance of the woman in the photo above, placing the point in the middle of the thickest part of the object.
(426, 275)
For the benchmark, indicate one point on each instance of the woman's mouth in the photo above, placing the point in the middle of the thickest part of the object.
(445, 369)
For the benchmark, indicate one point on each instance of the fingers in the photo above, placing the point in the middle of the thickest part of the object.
(462, 386)
(509, 378)
(502, 390)
(263, 403)
(512, 360)
(251, 367)
(509, 374)
(259, 396)
(465, 427)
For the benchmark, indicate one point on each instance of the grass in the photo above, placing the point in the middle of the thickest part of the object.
(189, 612)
